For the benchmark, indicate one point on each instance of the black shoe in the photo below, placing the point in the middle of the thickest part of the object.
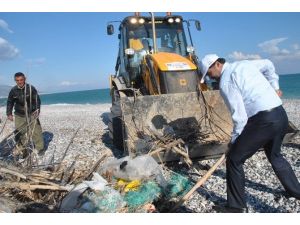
(228, 209)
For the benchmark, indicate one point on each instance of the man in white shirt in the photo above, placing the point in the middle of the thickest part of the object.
(250, 90)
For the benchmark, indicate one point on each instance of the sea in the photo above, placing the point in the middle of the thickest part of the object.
(289, 84)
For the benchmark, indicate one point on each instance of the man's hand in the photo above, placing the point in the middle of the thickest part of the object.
(10, 117)
(279, 92)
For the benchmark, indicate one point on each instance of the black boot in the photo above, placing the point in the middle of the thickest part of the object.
(228, 209)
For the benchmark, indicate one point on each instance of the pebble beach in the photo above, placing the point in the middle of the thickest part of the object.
(264, 192)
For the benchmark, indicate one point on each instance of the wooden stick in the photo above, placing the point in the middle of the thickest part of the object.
(95, 167)
(11, 172)
(71, 141)
(184, 154)
(199, 182)
(166, 146)
(26, 186)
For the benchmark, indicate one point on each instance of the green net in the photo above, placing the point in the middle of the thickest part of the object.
(147, 193)
(111, 200)
(178, 185)
(107, 201)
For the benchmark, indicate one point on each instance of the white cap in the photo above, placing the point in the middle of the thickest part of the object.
(205, 63)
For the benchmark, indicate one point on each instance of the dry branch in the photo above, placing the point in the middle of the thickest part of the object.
(11, 172)
(27, 186)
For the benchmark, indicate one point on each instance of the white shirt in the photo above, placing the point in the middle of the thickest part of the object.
(247, 88)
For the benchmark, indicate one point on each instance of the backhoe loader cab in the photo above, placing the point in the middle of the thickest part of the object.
(136, 40)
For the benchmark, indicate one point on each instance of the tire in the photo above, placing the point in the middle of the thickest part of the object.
(115, 124)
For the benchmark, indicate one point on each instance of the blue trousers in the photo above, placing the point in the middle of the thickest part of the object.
(265, 129)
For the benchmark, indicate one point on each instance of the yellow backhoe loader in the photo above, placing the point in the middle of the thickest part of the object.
(158, 104)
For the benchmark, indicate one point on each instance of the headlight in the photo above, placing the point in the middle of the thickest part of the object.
(190, 49)
(171, 20)
(129, 51)
(177, 20)
(141, 20)
(133, 20)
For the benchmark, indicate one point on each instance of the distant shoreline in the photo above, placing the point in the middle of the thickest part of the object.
(50, 93)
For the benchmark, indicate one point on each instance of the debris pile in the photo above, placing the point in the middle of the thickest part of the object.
(111, 185)
(45, 185)
(125, 185)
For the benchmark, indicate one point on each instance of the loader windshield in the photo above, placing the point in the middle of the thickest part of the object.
(169, 37)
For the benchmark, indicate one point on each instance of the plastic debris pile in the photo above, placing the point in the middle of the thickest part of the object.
(125, 185)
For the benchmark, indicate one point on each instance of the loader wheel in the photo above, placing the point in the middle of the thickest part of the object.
(115, 124)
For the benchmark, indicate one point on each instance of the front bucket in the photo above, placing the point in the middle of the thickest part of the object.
(198, 122)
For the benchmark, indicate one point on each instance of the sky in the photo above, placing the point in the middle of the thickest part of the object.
(68, 51)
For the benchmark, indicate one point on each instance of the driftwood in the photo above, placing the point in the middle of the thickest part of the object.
(27, 186)
(95, 167)
(47, 185)
(200, 182)
(170, 144)
(11, 172)
(167, 146)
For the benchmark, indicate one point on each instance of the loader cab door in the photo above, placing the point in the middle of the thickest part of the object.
(139, 43)
(137, 46)
(121, 54)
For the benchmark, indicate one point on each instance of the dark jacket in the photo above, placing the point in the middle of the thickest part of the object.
(16, 99)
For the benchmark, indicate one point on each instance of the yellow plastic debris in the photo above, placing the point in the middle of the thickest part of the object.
(132, 186)
(128, 185)
(121, 183)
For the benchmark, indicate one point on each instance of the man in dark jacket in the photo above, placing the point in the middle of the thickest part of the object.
(25, 100)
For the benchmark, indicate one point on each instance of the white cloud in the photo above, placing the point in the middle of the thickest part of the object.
(242, 56)
(276, 53)
(68, 83)
(4, 26)
(7, 50)
(36, 62)
(271, 47)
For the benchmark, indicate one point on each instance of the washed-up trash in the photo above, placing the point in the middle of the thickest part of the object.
(107, 201)
(178, 185)
(147, 193)
(71, 200)
(97, 183)
(128, 185)
(140, 168)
